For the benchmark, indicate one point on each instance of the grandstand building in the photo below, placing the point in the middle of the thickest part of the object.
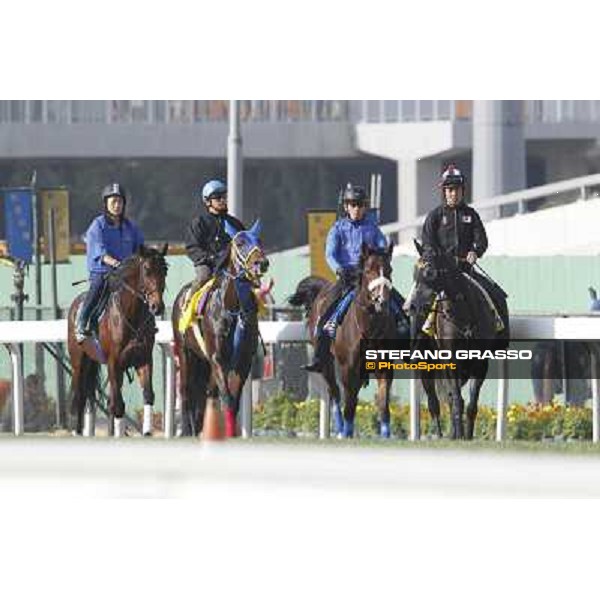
(504, 145)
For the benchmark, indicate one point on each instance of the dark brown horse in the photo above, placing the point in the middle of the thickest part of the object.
(461, 317)
(215, 356)
(368, 317)
(125, 339)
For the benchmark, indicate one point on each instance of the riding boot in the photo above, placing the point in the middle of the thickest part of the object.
(82, 328)
(321, 354)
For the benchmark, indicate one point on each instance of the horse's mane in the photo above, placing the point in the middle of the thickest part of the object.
(117, 275)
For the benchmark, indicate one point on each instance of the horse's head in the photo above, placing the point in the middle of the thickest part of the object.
(376, 272)
(434, 271)
(247, 254)
(144, 274)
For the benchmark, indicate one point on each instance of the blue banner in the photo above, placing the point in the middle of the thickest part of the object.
(18, 215)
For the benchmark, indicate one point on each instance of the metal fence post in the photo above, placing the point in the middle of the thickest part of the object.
(502, 403)
(415, 410)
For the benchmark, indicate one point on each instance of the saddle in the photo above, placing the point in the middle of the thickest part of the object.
(194, 306)
(429, 328)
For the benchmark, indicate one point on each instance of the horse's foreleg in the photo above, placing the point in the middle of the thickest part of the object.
(477, 380)
(333, 391)
(457, 407)
(221, 380)
(144, 374)
(350, 387)
(433, 403)
(77, 395)
(116, 407)
(383, 403)
(185, 388)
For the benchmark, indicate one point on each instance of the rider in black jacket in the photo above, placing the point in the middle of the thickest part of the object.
(206, 241)
(455, 230)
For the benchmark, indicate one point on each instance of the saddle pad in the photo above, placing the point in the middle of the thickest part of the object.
(190, 312)
(429, 325)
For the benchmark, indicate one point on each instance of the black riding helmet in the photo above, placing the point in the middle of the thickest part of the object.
(354, 193)
(114, 189)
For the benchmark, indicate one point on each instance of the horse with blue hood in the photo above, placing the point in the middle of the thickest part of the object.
(215, 351)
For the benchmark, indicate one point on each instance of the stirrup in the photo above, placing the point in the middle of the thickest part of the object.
(81, 335)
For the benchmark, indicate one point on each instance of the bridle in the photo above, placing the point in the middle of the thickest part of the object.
(245, 264)
(377, 288)
(143, 294)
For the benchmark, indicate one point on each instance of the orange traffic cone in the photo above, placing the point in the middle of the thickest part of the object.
(212, 428)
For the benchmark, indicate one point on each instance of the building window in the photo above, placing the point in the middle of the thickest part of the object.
(408, 110)
(180, 111)
(58, 111)
(159, 111)
(425, 110)
(139, 111)
(88, 111)
(17, 111)
(390, 110)
(36, 111)
(442, 110)
(4, 111)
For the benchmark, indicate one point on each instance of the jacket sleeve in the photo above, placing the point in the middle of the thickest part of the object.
(379, 239)
(429, 236)
(331, 249)
(95, 245)
(196, 244)
(480, 241)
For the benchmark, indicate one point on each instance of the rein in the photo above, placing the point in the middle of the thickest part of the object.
(141, 294)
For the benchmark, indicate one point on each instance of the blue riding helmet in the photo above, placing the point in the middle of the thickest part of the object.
(213, 188)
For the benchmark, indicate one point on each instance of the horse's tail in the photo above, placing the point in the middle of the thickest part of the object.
(306, 292)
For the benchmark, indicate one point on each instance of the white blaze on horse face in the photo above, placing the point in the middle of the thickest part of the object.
(377, 289)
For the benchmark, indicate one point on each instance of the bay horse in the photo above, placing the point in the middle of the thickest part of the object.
(218, 362)
(460, 316)
(126, 333)
(368, 317)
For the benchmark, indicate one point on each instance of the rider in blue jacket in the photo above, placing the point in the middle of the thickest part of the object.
(343, 251)
(110, 239)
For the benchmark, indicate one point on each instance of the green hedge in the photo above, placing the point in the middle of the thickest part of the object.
(284, 415)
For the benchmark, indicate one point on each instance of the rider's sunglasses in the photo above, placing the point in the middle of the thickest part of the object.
(219, 197)
(354, 203)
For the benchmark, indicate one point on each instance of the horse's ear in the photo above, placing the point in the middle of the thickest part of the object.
(390, 248)
(256, 228)
(418, 246)
(230, 230)
(142, 250)
(165, 248)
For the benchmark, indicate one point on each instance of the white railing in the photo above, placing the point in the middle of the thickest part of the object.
(583, 188)
(585, 327)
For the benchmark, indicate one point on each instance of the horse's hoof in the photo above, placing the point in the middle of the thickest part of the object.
(148, 434)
